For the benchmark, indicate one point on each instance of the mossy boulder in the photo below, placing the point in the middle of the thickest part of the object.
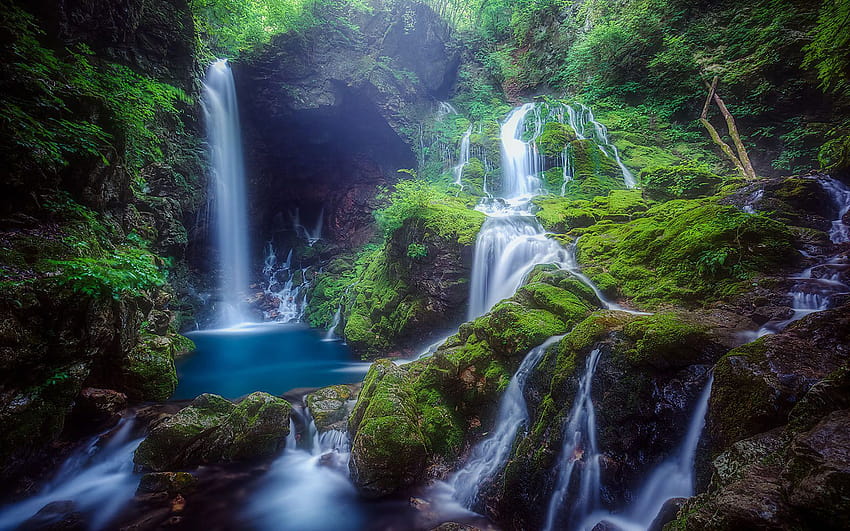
(685, 252)
(388, 448)
(757, 385)
(402, 296)
(148, 369)
(330, 406)
(214, 430)
(665, 341)
(554, 138)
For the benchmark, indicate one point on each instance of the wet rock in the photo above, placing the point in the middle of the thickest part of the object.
(818, 471)
(331, 406)
(214, 430)
(99, 404)
(170, 482)
(148, 369)
(756, 385)
(667, 513)
(56, 516)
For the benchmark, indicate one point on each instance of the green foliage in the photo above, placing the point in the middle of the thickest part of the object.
(827, 52)
(124, 271)
(417, 250)
(44, 88)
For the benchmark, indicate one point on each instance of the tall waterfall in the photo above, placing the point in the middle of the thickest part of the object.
(521, 164)
(228, 187)
(490, 455)
(579, 447)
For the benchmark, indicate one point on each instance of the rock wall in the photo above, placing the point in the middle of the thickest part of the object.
(87, 243)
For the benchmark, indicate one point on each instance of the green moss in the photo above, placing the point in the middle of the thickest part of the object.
(148, 369)
(554, 138)
(664, 340)
(685, 251)
(566, 305)
(511, 329)
(682, 181)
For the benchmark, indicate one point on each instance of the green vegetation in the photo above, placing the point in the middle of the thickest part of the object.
(685, 251)
(683, 181)
(42, 125)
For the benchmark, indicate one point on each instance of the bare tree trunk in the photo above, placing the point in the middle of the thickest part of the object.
(715, 136)
(733, 132)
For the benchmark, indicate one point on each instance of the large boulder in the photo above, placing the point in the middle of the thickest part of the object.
(214, 430)
(331, 406)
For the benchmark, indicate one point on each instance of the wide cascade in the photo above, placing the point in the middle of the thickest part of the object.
(228, 188)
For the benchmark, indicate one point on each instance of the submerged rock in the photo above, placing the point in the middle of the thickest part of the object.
(214, 430)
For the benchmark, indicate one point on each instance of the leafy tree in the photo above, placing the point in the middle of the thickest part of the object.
(827, 53)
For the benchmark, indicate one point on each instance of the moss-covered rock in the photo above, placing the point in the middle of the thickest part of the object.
(331, 406)
(554, 138)
(214, 430)
(170, 482)
(401, 296)
(682, 181)
(148, 369)
(388, 448)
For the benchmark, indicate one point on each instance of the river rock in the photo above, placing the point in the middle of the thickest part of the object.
(170, 482)
(330, 406)
(214, 430)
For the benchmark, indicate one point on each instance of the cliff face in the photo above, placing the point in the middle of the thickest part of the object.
(331, 113)
(96, 204)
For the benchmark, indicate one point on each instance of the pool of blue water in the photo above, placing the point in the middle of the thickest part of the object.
(270, 357)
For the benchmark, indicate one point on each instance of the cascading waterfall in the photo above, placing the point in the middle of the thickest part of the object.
(816, 285)
(673, 478)
(521, 162)
(98, 479)
(228, 187)
(457, 170)
(331, 333)
(567, 171)
(307, 487)
(582, 121)
(490, 455)
(579, 464)
(286, 285)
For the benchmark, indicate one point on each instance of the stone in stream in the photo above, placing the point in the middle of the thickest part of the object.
(214, 430)
(331, 406)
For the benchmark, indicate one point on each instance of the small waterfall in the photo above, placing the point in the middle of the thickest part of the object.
(308, 487)
(582, 121)
(444, 109)
(840, 195)
(228, 187)
(310, 235)
(567, 168)
(753, 199)
(816, 285)
(579, 454)
(490, 455)
(673, 478)
(98, 479)
(285, 285)
(330, 335)
(506, 250)
(457, 170)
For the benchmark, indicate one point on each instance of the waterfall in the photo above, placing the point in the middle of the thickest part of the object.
(307, 487)
(286, 286)
(98, 478)
(310, 235)
(330, 335)
(567, 171)
(457, 170)
(490, 455)
(228, 187)
(579, 454)
(584, 124)
(816, 285)
(521, 162)
(673, 478)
